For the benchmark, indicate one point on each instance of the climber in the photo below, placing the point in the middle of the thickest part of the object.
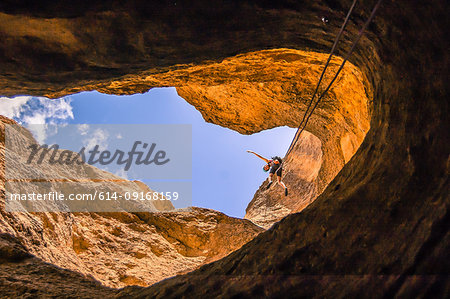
(273, 166)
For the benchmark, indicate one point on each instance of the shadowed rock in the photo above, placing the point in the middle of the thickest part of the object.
(380, 228)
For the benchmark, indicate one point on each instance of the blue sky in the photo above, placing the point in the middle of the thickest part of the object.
(224, 176)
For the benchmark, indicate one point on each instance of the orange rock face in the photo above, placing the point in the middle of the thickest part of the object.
(120, 248)
(260, 90)
(378, 229)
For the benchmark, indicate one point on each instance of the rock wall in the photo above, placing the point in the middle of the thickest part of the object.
(260, 90)
(218, 66)
(380, 228)
(301, 175)
(115, 248)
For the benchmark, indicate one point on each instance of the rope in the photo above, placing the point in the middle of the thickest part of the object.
(347, 56)
(336, 40)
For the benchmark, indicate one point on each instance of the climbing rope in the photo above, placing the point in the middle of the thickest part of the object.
(347, 56)
(336, 40)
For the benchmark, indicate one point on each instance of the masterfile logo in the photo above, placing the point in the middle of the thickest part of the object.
(98, 168)
(145, 151)
(95, 156)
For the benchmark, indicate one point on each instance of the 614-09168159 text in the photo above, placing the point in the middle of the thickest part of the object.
(108, 195)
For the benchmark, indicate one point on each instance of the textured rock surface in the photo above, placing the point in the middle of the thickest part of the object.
(301, 172)
(25, 276)
(380, 229)
(249, 92)
(260, 90)
(116, 248)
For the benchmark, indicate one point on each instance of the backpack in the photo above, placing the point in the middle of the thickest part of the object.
(277, 158)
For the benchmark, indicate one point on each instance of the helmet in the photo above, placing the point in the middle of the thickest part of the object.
(266, 167)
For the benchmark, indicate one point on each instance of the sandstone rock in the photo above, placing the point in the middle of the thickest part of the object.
(300, 174)
(30, 277)
(380, 228)
(236, 91)
(116, 248)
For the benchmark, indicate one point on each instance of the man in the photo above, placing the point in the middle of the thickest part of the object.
(274, 167)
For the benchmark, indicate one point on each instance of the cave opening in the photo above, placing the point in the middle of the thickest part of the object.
(253, 93)
(224, 176)
(377, 230)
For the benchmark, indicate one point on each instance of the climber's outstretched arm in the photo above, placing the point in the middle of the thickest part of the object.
(259, 156)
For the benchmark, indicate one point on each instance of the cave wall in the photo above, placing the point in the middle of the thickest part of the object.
(113, 38)
(301, 171)
(115, 247)
(232, 81)
(263, 89)
(381, 227)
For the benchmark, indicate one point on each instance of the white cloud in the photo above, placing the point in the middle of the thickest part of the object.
(98, 137)
(122, 173)
(93, 137)
(119, 136)
(36, 110)
(39, 132)
(28, 110)
(83, 129)
(12, 107)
